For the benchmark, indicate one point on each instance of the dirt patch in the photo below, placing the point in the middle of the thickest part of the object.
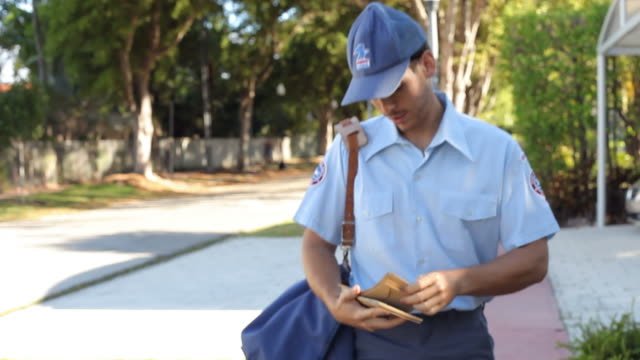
(207, 183)
(192, 182)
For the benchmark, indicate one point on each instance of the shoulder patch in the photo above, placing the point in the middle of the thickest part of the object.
(535, 184)
(319, 174)
(523, 156)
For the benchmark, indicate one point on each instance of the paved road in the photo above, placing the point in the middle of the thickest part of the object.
(192, 307)
(50, 255)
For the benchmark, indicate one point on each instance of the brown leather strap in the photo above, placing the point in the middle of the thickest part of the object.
(349, 225)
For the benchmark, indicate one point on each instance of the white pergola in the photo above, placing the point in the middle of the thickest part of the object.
(620, 35)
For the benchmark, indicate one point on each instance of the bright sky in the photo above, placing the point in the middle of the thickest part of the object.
(6, 64)
(7, 59)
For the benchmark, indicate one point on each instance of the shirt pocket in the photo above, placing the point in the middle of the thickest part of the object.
(375, 204)
(467, 220)
(374, 223)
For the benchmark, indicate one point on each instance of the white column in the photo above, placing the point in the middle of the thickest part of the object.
(601, 204)
(432, 12)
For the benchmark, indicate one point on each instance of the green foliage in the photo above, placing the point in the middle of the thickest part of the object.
(313, 69)
(315, 60)
(90, 36)
(16, 31)
(618, 340)
(549, 58)
(22, 111)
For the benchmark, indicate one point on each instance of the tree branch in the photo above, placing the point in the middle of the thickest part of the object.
(421, 13)
(465, 67)
(125, 66)
(182, 31)
(446, 48)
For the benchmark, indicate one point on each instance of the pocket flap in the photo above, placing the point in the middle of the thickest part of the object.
(376, 204)
(469, 207)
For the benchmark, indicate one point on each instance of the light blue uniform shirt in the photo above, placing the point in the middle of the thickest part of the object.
(417, 212)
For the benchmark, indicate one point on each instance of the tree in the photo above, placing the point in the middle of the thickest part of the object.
(21, 119)
(115, 48)
(253, 47)
(549, 59)
(314, 67)
(16, 33)
(21, 113)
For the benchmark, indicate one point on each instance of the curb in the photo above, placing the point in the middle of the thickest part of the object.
(144, 264)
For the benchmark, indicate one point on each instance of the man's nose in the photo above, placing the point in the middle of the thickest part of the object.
(388, 104)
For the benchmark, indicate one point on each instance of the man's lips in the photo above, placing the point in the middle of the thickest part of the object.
(398, 117)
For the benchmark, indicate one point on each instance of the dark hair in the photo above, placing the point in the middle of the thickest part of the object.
(416, 55)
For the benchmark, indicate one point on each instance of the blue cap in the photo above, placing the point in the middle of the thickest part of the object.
(380, 44)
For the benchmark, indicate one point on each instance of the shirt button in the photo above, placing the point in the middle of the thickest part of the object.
(419, 218)
(417, 177)
(366, 213)
(469, 212)
(421, 262)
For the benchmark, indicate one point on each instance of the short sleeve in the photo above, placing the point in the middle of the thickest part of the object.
(526, 214)
(322, 208)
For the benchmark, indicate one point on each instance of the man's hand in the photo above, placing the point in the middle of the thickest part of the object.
(347, 310)
(432, 292)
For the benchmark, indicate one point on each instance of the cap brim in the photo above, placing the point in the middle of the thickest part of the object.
(375, 86)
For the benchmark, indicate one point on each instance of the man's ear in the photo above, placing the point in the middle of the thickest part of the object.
(429, 63)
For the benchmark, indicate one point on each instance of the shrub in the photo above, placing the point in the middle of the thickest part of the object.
(618, 340)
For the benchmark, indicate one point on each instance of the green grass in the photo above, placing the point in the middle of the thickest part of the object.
(75, 197)
(288, 229)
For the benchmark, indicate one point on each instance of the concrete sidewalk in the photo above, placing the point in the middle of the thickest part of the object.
(194, 306)
(596, 274)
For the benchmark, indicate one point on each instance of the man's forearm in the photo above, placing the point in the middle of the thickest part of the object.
(508, 273)
(320, 267)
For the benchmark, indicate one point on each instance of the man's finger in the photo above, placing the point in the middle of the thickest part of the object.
(422, 283)
(421, 296)
(430, 307)
(347, 293)
(369, 313)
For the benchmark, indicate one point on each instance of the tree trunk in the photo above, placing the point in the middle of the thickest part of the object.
(205, 77)
(467, 57)
(246, 115)
(206, 101)
(421, 14)
(144, 131)
(325, 130)
(43, 75)
(446, 49)
(124, 57)
(477, 98)
(172, 143)
(21, 165)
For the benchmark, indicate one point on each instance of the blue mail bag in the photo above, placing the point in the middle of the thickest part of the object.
(297, 326)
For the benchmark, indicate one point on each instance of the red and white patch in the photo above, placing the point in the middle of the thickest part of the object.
(319, 174)
(535, 184)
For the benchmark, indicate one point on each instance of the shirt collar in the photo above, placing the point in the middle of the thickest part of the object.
(383, 133)
(451, 129)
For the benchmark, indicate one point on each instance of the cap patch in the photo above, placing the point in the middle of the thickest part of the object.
(535, 184)
(319, 174)
(363, 60)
